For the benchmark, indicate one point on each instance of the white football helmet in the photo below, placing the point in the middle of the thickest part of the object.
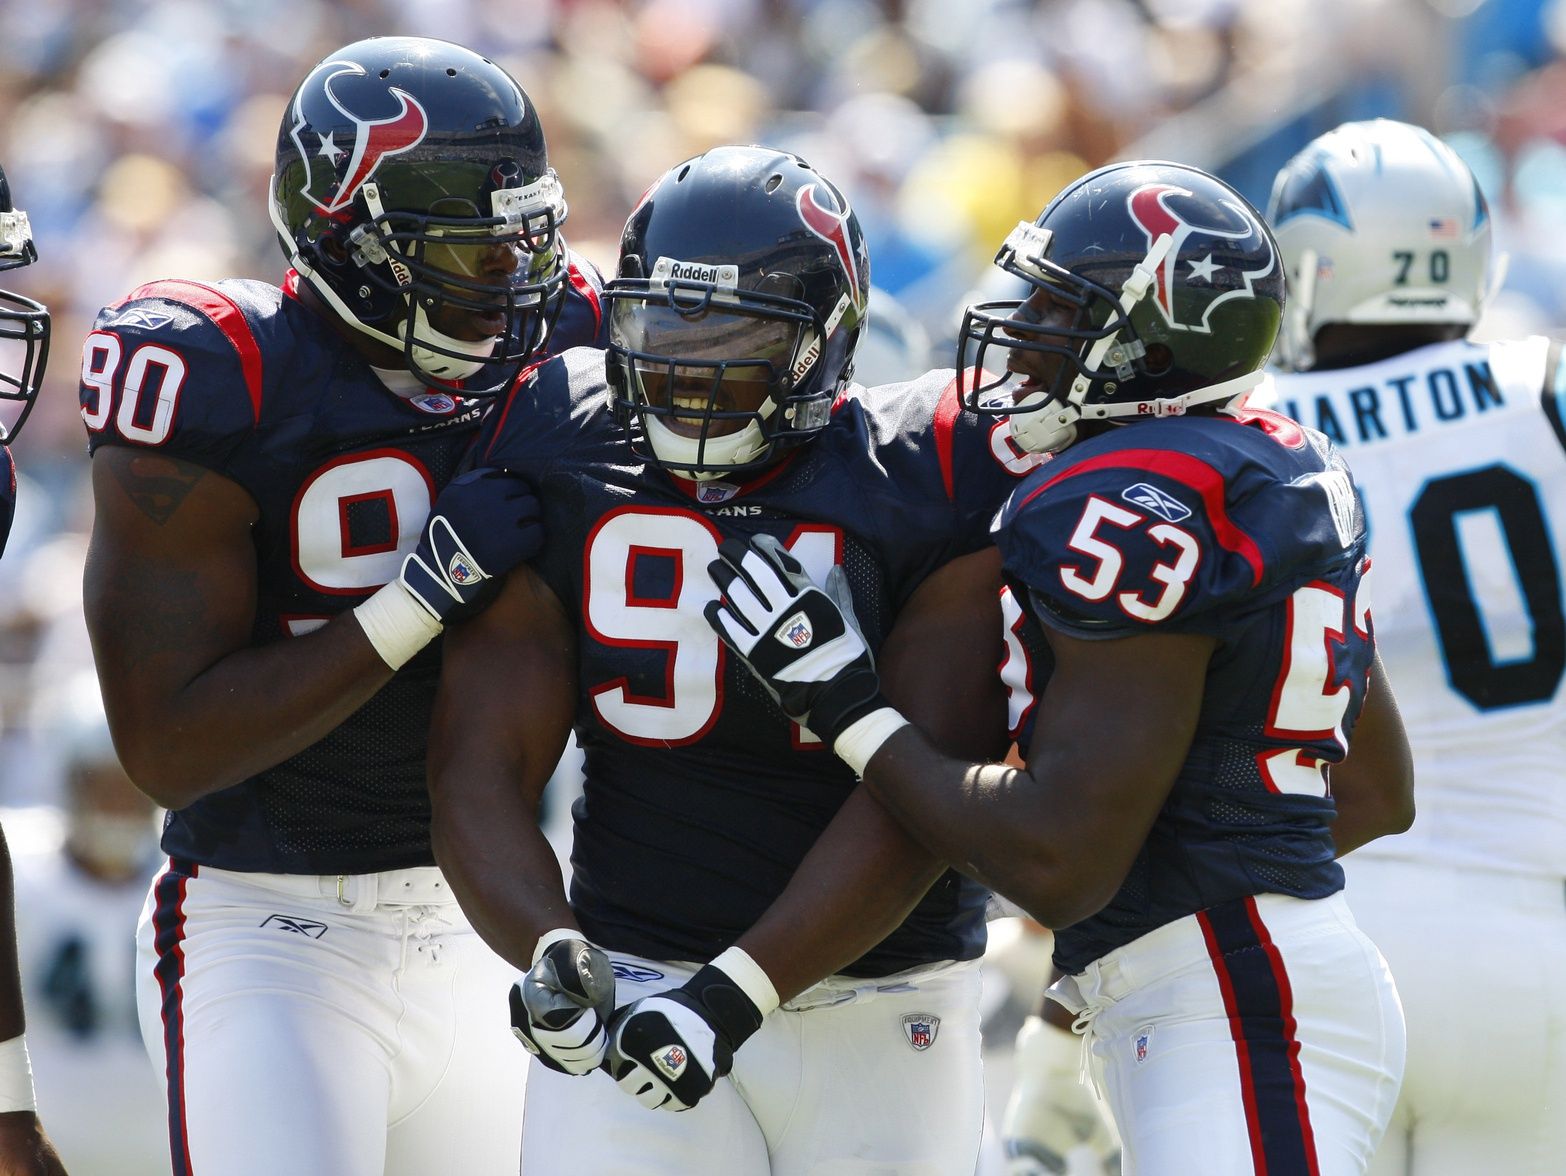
(1379, 222)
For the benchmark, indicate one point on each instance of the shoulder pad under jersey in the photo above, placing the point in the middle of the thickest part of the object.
(179, 366)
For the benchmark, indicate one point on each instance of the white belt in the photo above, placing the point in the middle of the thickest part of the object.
(415, 886)
(841, 990)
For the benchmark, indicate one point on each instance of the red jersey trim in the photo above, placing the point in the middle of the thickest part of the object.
(224, 313)
(947, 410)
(1187, 470)
(585, 288)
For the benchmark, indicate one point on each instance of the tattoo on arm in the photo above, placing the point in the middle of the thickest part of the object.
(157, 485)
(169, 605)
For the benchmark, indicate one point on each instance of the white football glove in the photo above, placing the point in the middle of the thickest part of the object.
(802, 641)
(560, 1010)
(1051, 1111)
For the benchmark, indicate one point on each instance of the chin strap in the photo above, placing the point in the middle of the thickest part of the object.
(1049, 430)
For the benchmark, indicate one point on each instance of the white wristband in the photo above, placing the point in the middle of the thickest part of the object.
(736, 964)
(16, 1076)
(863, 737)
(550, 938)
(396, 624)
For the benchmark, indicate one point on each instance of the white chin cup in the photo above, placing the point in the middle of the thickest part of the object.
(720, 456)
(435, 363)
(1048, 428)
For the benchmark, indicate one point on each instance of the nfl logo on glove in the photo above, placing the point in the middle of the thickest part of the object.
(671, 1061)
(796, 631)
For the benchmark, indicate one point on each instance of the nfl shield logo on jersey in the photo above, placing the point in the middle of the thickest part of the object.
(920, 1029)
(796, 632)
(436, 402)
(708, 493)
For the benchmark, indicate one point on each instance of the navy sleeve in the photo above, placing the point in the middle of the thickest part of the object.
(1122, 540)
(1202, 523)
(581, 322)
(7, 496)
(532, 425)
(174, 367)
(942, 464)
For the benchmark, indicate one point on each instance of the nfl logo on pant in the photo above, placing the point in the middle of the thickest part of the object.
(1143, 1042)
(920, 1029)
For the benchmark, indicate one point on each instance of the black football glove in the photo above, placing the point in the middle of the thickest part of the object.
(801, 641)
(483, 524)
(560, 1010)
(669, 1050)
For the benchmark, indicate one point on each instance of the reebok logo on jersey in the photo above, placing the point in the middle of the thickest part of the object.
(920, 1030)
(796, 632)
(671, 1062)
(140, 316)
(1151, 498)
(295, 926)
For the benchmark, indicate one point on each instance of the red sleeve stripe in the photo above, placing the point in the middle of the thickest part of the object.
(947, 410)
(225, 315)
(585, 288)
(1183, 468)
(524, 378)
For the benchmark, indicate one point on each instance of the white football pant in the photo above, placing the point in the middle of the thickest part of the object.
(1259, 1036)
(1480, 962)
(305, 1033)
(851, 1078)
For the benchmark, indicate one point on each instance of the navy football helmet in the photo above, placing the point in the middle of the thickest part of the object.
(403, 163)
(1163, 289)
(740, 299)
(24, 322)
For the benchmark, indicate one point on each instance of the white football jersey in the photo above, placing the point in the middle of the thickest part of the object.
(1460, 452)
(98, 1096)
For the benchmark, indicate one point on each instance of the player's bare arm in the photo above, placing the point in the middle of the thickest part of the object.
(24, 1148)
(487, 772)
(170, 597)
(1374, 785)
(1059, 836)
(866, 872)
(502, 716)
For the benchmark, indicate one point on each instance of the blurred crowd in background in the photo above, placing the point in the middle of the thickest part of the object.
(139, 135)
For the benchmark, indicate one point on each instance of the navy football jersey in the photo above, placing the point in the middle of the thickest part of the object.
(242, 378)
(1247, 528)
(7, 494)
(701, 797)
